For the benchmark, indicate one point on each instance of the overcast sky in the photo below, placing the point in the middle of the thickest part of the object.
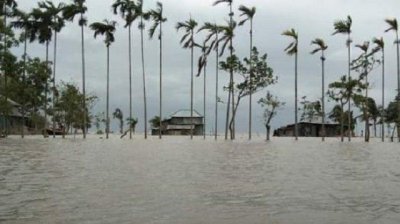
(311, 18)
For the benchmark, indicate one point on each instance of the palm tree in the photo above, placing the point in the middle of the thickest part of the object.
(43, 30)
(188, 42)
(128, 9)
(232, 26)
(380, 46)
(106, 28)
(158, 19)
(202, 65)
(5, 6)
(56, 25)
(24, 21)
(344, 27)
(213, 31)
(249, 13)
(393, 25)
(321, 46)
(291, 49)
(70, 11)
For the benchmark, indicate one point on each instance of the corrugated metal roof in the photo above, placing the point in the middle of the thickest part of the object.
(180, 127)
(185, 113)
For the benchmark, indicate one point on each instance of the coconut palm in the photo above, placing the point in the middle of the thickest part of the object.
(43, 30)
(107, 29)
(321, 46)
(202, 66)
(24, 21)
(249, 13)
(393, 26)
(225, 39)
(291, 50)
(128, 9)
(187, 41)
(70, 11)
(57, 23)
(229, 38)
(344, 27)
(158, 19)
(213, 31)
(6, 6)
(380, 46)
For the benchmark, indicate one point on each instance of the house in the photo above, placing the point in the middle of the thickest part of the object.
(14, 119)
(181, 123)
(310, 128)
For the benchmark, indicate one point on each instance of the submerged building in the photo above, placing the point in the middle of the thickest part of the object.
(181, 123)
(310, 128)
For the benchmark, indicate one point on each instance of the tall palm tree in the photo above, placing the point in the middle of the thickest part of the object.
(43, 30)
(292, 49)
(213, 31)
(249, 13)
(380, 46)
(321, 46)
(70, 11)
(393, 26)
(187, 41)
(106, 28)
(225, 40)
(202, 65)
(344, 27)
(128, 10)
(24, 21)
(6, 6)
(232, 26)
(158, 19)
(57, 24)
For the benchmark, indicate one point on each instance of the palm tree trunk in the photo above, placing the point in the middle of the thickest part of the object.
(323, 96)
(5, 114)
(367, 129)
(54, 82)
(232, 80)
(144, 80)
(23, 89)
(108, 93)
(383, 96)
(251, 76)
(46, 90)
(398, 84)
(161, 62)
(83, 81)
(191, 90)
(204, 100)
(349, 103)
(216, 90)
(130, 77)
(342, 123)
(296, 132)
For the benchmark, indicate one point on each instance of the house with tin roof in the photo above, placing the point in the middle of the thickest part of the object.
(181, 123)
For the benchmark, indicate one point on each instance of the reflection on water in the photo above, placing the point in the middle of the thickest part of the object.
(179, 181)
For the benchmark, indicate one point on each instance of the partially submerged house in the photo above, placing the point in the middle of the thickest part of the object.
(310, 128)
(181, 123)
(14, 121)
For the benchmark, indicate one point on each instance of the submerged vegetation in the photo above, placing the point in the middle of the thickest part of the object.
(31, 91)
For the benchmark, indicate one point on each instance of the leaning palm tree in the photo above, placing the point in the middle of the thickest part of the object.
(321, 46)
(42, 28)
(6, 7)
(70, 11)
(57, 24)
(344, 27)
(380, 46)
(232, 26)
(393, 26)
(158, 19)
(225, 39)
(128, 9)
(291, 50)
(106, 28)
(213, 31)
(24, 21)
(188, 42)
(249, 13)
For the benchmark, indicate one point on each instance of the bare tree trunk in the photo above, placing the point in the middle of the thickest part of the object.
(54, 82)
(342, 123)
(108, 93)
(23, 89)
(161, 50)
(383, 95)
(83, 81)
(204, 100)
(268, 127)
(46, 90)
(144, 80)
(398, 84)
(296, 130)
(191, 88)
(349, 75)
(323, 96)
(216, 90)
(251, 80)
(130, 77)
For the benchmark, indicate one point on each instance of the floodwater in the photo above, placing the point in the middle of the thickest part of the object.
(180, 181)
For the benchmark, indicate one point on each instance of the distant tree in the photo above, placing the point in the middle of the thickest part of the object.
(392, 116)
(271, 104)
(155, 122)
(132, 122)
(310, 109)
(120, 117)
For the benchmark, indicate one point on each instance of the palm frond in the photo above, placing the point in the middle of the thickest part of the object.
(343, 26)
(320, 45)
(217, 2)
(392, 24)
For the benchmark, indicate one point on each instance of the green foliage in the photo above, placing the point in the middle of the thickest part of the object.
(117, 114)
(106, 28)
(271, 104)
(155, 122)
(310, 109)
